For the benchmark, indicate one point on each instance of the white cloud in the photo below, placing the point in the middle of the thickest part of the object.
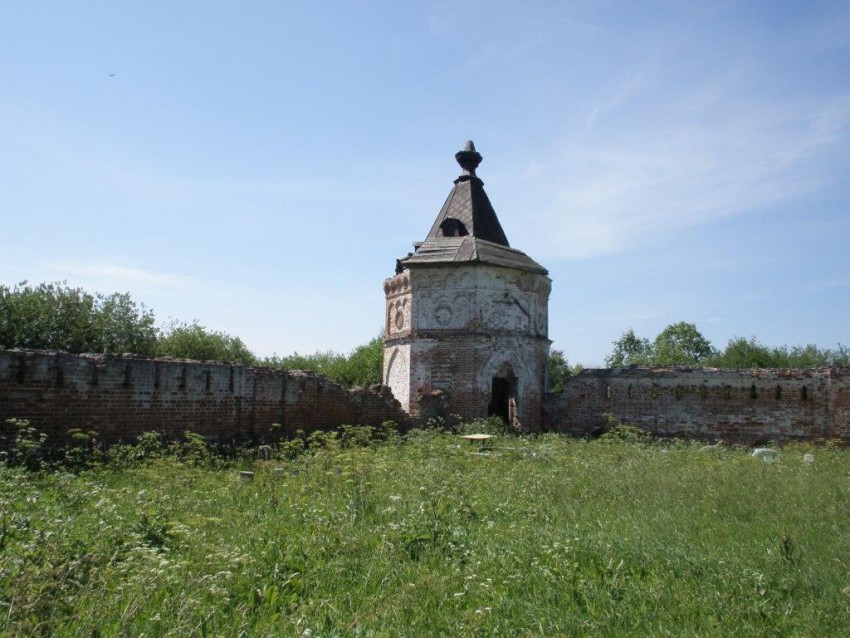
(122, 276)
(840, 282)
(827, 128)
(633, 85)
(616, 191)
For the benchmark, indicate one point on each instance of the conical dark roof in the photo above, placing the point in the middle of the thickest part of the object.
(468, 204)
(467, 229)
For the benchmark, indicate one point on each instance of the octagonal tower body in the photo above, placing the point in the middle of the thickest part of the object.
(467, 315)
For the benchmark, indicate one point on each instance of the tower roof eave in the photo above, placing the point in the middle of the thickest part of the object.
(441, 251)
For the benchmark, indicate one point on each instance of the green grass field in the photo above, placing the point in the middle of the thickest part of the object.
(422, 536)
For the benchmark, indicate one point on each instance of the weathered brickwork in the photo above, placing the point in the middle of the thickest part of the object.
(120, 397)
(748, 406)
(123, 396)
(456, 329)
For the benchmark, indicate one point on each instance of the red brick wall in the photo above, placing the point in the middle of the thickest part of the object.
(733, 405)
(122, 396)
(463, 366)
(839, 404)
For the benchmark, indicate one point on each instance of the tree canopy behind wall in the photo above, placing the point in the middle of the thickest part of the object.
(53, 316)
(194, 341)
(362, 366)
(682, 344)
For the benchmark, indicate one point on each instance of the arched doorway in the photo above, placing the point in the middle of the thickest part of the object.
(503, 391)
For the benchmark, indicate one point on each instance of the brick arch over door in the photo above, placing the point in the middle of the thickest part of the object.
(497, 362)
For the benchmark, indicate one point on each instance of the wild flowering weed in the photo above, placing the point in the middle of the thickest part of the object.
(419, 536)
(22, 444)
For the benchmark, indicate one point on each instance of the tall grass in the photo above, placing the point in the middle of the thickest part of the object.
(425, 536)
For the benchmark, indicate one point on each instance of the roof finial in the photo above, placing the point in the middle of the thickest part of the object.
(468, 158)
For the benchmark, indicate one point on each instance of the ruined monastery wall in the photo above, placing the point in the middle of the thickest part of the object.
(748, 406)
(123, 396)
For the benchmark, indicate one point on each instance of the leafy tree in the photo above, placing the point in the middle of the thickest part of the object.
(363, 366)
(194, 341)
(49, 316)
(121, 326)
(319, 362)
(53, 316)
(749, 353)
(559, 370)
(810, 356)
(840, 357)
(630, 350)
(745, 353)
(680, 344)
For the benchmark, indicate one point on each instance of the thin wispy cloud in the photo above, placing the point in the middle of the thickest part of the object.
(692, 132)
(129, 276)
(623, 93)
(828, 127)
(616, 192)
(113, 277)
(840, 282)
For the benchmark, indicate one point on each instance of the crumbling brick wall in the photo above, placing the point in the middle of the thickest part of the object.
(123, 396)
(733, 405)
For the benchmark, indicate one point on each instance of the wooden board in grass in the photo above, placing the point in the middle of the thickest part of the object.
(480, 438)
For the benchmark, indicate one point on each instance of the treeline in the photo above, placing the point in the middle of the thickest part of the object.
(683, 344)
(54, 316)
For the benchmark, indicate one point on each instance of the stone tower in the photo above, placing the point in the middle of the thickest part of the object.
(467, 315)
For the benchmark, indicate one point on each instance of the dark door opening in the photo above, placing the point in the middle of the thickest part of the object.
(502, 402)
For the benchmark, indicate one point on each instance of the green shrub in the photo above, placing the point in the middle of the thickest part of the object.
(55, 317)
(153, 530)
(194, 341)
(616, 430)
(195, 450)
(321, 439)
(291, 449)
(387, 431)
(82, 450)
(356, 436)
(151, 445)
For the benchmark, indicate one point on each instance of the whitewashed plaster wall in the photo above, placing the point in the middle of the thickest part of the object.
(480, 298)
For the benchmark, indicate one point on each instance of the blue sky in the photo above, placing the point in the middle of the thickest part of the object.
(259, 166)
